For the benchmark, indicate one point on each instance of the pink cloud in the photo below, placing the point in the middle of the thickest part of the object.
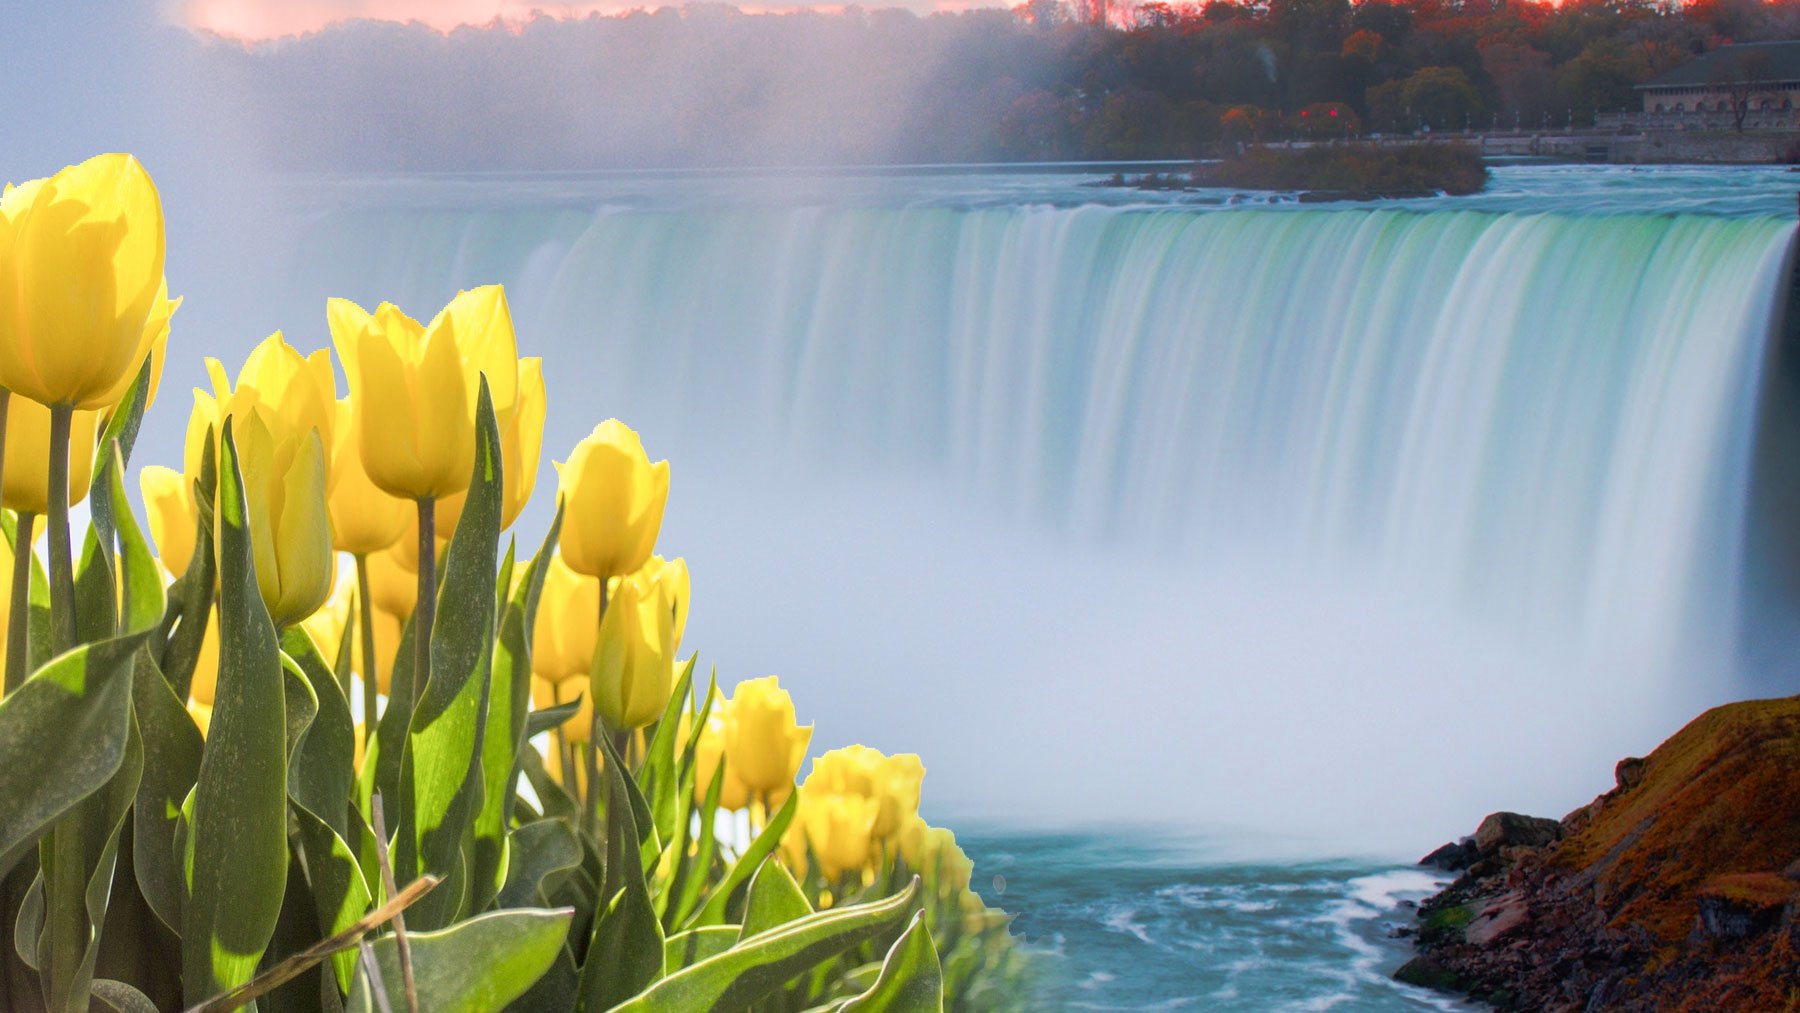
(254, 20)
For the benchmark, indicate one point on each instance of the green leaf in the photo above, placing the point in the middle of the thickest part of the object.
(537, 851)
(237, 838)
(554, 800)
(659, 778)
(62, 738)
(120, 997)
(691, 873)
(321, 779)
(323, 772)
(761, 964)
(183, 630)
(340, 893)
(764, 845)
(775, 899)
(626, 952)
(684, 949)
(172, 750)
(381, 766)
(440, 771)
(509, 698)
(122, 427)
(911, 979)
(77, 862)
(474, 966)
(545, 719)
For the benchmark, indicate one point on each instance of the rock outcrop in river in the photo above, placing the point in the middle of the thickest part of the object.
(1676, 890)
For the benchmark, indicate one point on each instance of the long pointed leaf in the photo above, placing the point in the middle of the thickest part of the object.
(237, 838)
(474, 966)
(761, 964)
(440, 773)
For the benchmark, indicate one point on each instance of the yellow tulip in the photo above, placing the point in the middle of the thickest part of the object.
(327, 625)
(633, 668)
(295, 393)
(567, 624)
(169, 502)
(709, 752)
(81, 263)
(363, 518)
(671, 578)
(156, 341)
(419, 384)
(613, 499)
(762, 741)
(893, 782)
(290, 536)
(27, 475)
(393, 586)
(521, 444)
(840, 829)
(205, 681)
(202, 715)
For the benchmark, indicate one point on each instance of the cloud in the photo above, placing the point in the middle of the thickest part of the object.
(259, 20)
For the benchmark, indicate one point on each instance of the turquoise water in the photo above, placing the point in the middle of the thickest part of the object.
(1134, 923)
(1227, 491)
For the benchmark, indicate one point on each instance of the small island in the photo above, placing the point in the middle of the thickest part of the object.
(1334, 172)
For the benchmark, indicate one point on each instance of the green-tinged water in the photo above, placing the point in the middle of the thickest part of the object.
(1130, 923)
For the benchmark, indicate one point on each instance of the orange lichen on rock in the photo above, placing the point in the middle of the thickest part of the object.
(1720, 798)
(1677, 890)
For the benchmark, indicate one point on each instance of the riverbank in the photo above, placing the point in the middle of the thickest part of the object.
(1676, 890)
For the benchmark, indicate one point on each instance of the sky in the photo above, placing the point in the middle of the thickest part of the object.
(267, 19)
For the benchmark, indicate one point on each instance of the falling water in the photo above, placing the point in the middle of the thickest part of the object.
(1357, 522)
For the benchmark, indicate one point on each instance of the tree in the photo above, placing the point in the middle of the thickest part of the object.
(1742, 77)
(1441, 97)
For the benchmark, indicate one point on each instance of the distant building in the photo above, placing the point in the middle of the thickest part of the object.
(1754, 86)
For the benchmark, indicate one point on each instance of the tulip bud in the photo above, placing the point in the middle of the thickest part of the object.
(613, 501)
(284, 490)
(633, 669)
(363, 518)
(81, 266)
(417, 385)
(763, 744)
(169, 502)
(27, 474)
(295, 393)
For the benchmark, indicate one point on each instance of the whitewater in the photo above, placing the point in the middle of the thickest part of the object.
(1275, 543)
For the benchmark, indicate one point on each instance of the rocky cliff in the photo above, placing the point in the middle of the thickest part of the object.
(1676, 890)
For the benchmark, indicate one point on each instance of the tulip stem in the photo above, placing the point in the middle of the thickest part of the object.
(18, 625)
(598, 729)
(62, 570)
(365, 620)
(426, 610)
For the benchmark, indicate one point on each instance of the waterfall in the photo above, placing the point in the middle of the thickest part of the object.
(1345, 461)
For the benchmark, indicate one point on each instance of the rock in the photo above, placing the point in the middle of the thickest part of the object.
(1629, 773)
(1793, 870)
(1514, 829)
(1499, 918)
(1453, 857)
(1743, 905)
(1425, 972)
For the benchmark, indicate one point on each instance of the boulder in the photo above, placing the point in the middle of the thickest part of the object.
(1453, 857)
(1743, 905)
(1629, 773)
(1502, 830)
